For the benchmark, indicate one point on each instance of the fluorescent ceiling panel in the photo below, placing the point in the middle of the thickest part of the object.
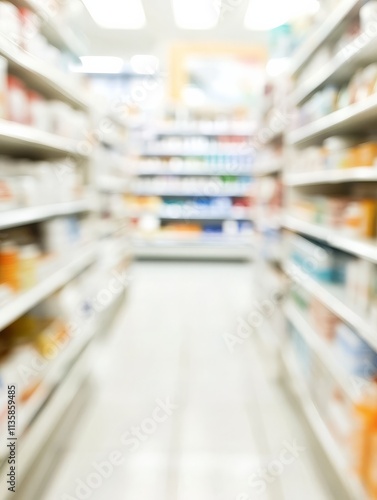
(117, 14)
(263, 15)
(196, 14)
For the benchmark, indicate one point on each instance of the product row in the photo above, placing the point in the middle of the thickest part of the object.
(214, 186)
(194, 208)
(23, 27)
(332, 98)
(222, 127)
(26, 183)
(29, 254)
(356, 279)
(353, 425)
(349, 216)
(149, 225)
(20, 104)
(187, 145)
(238, 166)
(335, 153)
(351, 32)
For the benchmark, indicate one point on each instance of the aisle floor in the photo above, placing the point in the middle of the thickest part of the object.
(226, 420)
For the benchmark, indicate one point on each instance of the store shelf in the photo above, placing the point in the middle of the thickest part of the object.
(320, 347)
(17, 139)
(41, 76)
(332, 297)
(25, 301)
(336, 176)
(353, 489)
(193, 194)
(339, 69)
(190, 154)
(194, 173)
(199, 133)
(30, 215)
(326, 31)
(36, 437)
(192, 215)
(365, 249)
(353, 118)
(192, 252)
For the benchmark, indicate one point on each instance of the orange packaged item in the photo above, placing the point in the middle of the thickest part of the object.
(360, 219)
(9, 266)
(367, 154)
(364, 442)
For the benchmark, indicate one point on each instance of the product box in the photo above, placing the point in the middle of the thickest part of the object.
(3, 87)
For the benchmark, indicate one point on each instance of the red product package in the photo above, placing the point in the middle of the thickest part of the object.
(18, 101)
(30, 26)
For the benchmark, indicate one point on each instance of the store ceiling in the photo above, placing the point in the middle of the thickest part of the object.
(161, 31)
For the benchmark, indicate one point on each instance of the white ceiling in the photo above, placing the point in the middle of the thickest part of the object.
(161, 31)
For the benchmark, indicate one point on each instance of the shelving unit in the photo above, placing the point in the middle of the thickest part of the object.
(337, 176)
(352, 488)
(59, 387)
(195, 191)
(20, 139)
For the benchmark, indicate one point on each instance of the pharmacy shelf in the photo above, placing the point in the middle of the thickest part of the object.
(22, 139)
(42, 76)
(194, 173)
(31, 215)
(193, 215)
(336, 176)
(56, 406)
(328, 30)
(339, 69)
(332, 297)
(350, 119)
(190, 154)
(193, 252)
(199, 133)
(193, 194)
(365, 249)
(23, 302)
(58, 34)
(353, 489)
(320, 347)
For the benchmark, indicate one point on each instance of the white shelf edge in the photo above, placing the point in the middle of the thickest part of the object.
(339, 62)
(328, 299)
(25, 301)
(198, 194)
(193, 173)
(29, 215)
(340, 120)
(322, 33)
(25, 135)
(194, 153)
(365, 249)
(190, 133)
(42, 74)
(320, 348)
(358, 174)
(348, 479)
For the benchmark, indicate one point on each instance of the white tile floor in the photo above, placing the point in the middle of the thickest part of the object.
(230, 419)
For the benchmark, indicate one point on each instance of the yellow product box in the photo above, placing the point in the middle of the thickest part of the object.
(367, 154)
(360, 218)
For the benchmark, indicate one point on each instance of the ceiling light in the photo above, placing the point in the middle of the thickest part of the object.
(144, 64)
(195, 14)
(99, 64)
(263, 15)
(117, 14)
